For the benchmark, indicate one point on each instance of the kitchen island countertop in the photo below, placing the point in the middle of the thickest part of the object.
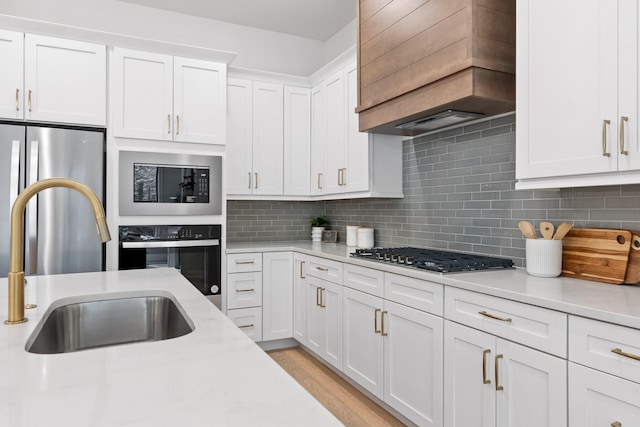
(214, 376)
(618, 304)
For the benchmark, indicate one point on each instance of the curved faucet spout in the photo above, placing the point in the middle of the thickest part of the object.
(16, 259)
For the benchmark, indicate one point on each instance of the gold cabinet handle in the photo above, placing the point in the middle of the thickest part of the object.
(485, 380)
(344, 174)
(493, 316)
(169, 124)
(622, 120)
(319, 181)
(17, 99)
(616, 424)
(498, 386)
(250, 325)
(375, 321)
(318, 290)
(177, 125)
(302, 264)
(256, 183)
(325, 269)
(29, 99)
(244, 262)
(249, 179)
(339, 177)
(605, 123)
(245, 290)
(382, 329)
(619, 352)
(322, 292)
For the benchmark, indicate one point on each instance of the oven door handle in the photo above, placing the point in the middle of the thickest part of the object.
(171, 244)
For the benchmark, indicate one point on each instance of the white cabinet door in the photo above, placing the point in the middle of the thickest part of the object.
(65, 80)
(240, 136)
(356, 175)
(316, 330)
(199, 101)
(142, 95)
(268, 143)
(413, 358)
(534, 387)
(597, 399)
(300, 298)
(324, 320)
(297, 141)
(567, 87)
(362, 340)
(11, 69)
(318, 138)
(334, 160)
(277, 297)
(469, 383)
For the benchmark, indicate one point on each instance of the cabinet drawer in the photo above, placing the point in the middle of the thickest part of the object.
(363, 279)
(242, 263)
(536, 327)
(592, 343)
(244, 290)
(248, 320)
(416, 293)
(325, 269)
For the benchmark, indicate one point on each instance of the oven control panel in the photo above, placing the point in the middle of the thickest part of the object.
(141, 233)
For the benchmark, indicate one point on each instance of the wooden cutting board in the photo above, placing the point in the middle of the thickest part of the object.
(598, 254)
(633, 267)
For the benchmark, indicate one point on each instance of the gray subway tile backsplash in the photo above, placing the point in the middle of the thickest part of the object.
(459, 195)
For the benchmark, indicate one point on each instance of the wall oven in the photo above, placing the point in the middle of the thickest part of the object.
(170, 184)
(195, 250)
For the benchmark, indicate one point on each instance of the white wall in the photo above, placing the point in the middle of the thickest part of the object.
(257, 49)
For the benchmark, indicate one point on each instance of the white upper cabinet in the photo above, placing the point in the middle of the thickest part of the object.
(11, 70)
(577, 84)
(356, 175)
(318, 137)
(334, 145)
(52, 80)
(240, 136)
(168, 98)
(297, 140)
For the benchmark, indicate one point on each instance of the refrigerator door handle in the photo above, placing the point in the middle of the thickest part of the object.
(32, 212)
(14, 183)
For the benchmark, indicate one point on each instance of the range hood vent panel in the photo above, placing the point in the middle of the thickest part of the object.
(440, 120)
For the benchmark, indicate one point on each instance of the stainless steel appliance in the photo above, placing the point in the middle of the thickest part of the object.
(192, 249)
(434, 259)
(170, 184)
(60, 231)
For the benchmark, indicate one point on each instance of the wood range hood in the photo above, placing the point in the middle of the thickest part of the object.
(428, 64)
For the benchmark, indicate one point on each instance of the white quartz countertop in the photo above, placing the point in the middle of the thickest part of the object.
(618, 304)
(213, 376)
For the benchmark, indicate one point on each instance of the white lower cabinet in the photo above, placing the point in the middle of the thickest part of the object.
(489, 381)
(395, 353)
(324, 320)
(300, 298)
(597, 399)
(277, 299)
(249, 320)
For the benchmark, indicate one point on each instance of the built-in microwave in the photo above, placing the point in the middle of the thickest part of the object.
(170, 184)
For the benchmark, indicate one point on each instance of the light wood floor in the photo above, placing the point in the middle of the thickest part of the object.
(343, 400)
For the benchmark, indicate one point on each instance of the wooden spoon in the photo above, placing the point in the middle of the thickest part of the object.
(546, 229)
(527, 229)
(562, 231)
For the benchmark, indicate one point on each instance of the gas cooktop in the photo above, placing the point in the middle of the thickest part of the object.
(433, 259)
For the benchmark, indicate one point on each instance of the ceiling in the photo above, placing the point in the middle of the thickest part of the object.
(314, 19)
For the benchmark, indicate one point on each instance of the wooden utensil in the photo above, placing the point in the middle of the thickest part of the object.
(597, 254)
(562, 231)
(527, 229)
(546, 229)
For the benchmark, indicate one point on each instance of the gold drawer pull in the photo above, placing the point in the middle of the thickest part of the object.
(322, 268)
(622, 120)
(605, 123)
(485, 380)
(322, 292)
(616, 424)
(375, 321)
(251, 325)
(318, 291)
(498, 386)
(493, 316)
(245, 262)
(301, 268)
(382, 331)
(245, 290)
(622, 353)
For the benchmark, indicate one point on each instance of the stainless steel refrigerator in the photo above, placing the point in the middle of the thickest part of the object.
(60, 231)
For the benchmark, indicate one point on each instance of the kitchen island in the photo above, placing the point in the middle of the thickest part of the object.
(214, 375)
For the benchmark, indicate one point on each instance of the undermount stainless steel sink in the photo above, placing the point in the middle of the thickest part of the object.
(81, 323)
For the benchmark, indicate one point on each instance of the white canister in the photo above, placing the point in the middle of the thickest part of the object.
(365, 237)
(544, 257)
(352, 235)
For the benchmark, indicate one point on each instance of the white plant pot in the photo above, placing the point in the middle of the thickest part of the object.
(316, 234)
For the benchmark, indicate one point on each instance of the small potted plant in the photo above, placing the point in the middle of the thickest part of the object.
(318, 225)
